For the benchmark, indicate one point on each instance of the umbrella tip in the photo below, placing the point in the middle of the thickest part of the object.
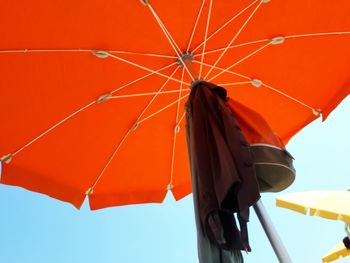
(7, 158)
(89, 191)
(316, 112)
(170, 187)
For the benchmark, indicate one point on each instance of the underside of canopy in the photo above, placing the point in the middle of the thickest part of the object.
(92, 95)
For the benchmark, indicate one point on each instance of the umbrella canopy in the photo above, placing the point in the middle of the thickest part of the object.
(92, 92)
(339, 251)
(328, 204)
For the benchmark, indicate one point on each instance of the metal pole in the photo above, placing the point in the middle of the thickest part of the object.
(271, 233)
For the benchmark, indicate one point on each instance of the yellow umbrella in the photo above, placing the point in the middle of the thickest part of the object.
(328, 204)
(337, 252)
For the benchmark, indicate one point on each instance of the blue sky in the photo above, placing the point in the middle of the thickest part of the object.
(36, 228)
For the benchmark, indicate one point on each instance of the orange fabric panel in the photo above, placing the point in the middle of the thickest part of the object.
(39, 89)
(254, 127)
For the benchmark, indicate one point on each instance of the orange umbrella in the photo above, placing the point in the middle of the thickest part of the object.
(92, 92)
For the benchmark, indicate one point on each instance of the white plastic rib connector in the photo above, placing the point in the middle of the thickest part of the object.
(170, 187)
(256, 83)
(7, 158)
(177, 128)
(277, 40)
(134, 126)
(316, 112)
(104, 98)
(89, 191)
(100, 53)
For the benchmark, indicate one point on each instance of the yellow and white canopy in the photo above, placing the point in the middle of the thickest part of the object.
(337, 252)
(328, 204)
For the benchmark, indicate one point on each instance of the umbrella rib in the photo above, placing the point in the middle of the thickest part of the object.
(113, 56)
(53, 127)
(43, 50)
(315, 111)
(170, 39)
(174, 145)
(133, 128)
(145, 94)
(195, 26)
(205, 37)
(80, 110)
(143, 54)
(241, 60)
(143, 77)
(222, 69)
(176, 130)
(340, 33)
(162, 109)
(180, 93)
(164, 29)
(234, 83)
(235, 37)
(224, 25)
(85, 51)
(145, 68)
(91, 189)
(156, 95)
(234, 46)
(182, 117)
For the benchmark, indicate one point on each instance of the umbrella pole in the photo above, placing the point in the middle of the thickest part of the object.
(187, 61)
(271, 233)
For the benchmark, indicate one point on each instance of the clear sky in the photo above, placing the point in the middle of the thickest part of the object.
(36, 228)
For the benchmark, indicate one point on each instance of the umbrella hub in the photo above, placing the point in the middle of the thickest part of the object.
(185, 59)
